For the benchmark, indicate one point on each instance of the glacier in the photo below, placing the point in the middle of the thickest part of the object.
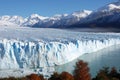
(18, 54)
(36, 48)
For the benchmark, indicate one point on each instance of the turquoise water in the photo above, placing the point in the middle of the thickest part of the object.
(106, 57)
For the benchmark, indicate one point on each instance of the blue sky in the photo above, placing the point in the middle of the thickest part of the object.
(48, 7)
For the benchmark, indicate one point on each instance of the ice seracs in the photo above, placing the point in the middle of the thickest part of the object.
(18, 54)
(44, 47)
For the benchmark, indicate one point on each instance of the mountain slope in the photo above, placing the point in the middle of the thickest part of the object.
(63, 20)
(12, 19)
(7, 23)
(107, 16)
(36, 20)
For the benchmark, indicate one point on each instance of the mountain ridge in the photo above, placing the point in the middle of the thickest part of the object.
(107, 15)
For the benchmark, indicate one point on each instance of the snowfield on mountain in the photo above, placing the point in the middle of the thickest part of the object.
(107, 15)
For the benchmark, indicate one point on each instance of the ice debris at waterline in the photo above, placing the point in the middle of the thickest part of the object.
(16, 54)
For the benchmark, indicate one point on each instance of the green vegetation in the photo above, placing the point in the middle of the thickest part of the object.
(81, 72)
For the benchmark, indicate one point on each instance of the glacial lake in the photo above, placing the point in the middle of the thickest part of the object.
(108, 57)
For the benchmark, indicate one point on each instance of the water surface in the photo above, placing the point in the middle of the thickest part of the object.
(108, 57)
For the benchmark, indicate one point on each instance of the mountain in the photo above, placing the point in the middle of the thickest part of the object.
(107, 16)
(6, 23)
(72, 18)
(12, 19)
(59, 21)
(36, 20)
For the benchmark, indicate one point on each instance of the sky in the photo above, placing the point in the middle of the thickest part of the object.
(48, 8)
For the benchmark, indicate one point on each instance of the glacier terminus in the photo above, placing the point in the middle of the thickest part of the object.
(43, 48)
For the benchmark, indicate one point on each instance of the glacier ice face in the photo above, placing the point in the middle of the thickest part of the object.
(16, 54)
(36, 48)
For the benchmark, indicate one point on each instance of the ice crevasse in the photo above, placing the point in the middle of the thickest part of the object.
(15, 54)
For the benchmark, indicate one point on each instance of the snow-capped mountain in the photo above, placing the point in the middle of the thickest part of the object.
(36, 20)
(12, 19)
(60, 20)
(106, 16)
(6, 23)
(111, 6)
(107, 10)
(73, 18)
(49, 22)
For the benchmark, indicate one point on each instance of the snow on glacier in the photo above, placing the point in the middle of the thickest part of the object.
(30, 48)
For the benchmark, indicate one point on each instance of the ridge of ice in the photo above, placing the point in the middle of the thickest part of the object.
(18, 54)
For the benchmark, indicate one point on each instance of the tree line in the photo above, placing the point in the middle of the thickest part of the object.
(81, 72)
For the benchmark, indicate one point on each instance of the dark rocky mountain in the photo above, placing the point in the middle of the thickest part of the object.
(105, 17)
